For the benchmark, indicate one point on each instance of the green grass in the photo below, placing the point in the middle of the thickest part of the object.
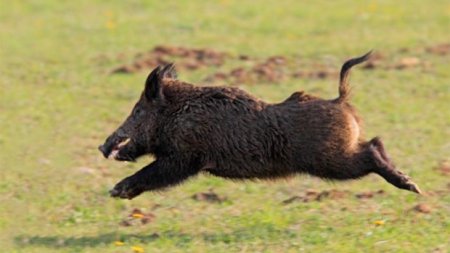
(58, 103)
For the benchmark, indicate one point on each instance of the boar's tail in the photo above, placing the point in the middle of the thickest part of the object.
(344, 88)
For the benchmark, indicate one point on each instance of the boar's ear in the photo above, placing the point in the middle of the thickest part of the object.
(169, 71)
(154, 83)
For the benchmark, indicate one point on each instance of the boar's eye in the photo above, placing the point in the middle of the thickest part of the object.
(138, 112)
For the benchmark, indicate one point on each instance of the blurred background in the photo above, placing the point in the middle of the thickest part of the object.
(72, 70)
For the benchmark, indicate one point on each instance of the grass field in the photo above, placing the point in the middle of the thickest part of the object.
(58, 101)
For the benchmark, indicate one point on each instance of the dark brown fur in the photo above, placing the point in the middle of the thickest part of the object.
(229, 133)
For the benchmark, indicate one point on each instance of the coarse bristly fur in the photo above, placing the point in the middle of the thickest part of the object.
(229, 133)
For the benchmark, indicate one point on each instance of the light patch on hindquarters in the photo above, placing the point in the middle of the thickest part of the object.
(355, 131)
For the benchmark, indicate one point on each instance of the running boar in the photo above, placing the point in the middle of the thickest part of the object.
(229, 133)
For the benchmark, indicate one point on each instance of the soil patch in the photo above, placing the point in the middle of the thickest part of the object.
(209, 196)
(137, 216)
(313, 195)
(274, 69)
(422, 208)
(369, 194)
(444, 167)
(439, 49)
(185, 58)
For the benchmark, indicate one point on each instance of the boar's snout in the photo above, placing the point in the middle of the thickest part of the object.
(113, 144)
(103, 150)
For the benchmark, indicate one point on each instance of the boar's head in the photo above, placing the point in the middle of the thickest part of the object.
(137, 136)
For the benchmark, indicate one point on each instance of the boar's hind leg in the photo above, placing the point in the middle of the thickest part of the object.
(160, 174)
(385, 168)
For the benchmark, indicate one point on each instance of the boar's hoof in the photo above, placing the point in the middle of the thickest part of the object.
(125, 190)
(414, 188)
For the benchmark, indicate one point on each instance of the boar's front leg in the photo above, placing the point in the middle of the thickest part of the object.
(162, 173)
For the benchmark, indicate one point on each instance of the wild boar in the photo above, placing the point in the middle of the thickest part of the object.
(226, 132)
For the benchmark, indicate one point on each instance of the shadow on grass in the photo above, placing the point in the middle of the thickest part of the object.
(84, 241)
(180, 239)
